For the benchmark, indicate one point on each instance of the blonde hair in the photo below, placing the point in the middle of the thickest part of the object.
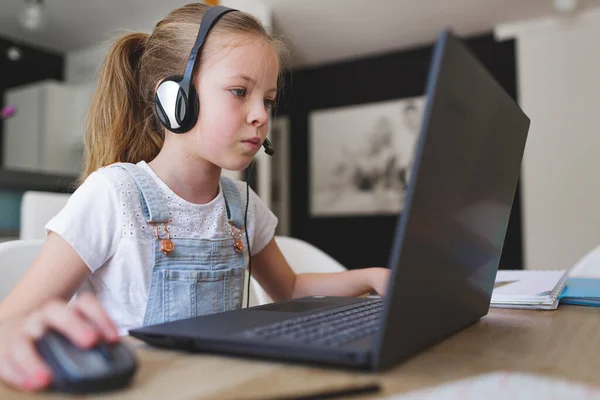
(121, 124)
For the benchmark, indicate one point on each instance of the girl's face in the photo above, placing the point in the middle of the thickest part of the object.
(236, 86)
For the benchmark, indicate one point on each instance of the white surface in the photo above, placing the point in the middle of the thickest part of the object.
(588, 266)
(37, 208)
(506, 385)
(528, 289)
(557, 67)
(61, 154)
(302, 257)
(15, 258)
(21, 139)
(39, 137)
(526, 284)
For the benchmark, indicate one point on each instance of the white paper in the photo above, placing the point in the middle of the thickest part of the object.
(532, 289)
(506, 385)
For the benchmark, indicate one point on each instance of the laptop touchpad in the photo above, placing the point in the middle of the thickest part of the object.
(294, 306)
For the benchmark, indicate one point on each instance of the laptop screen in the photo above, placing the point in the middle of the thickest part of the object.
(449, 240)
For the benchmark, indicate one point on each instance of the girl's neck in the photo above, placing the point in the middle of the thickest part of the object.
(192, 179)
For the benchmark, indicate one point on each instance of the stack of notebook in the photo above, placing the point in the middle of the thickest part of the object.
(529, 289)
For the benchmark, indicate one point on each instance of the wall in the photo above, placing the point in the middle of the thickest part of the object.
(36, 64)
(366, 241)
(559, 85)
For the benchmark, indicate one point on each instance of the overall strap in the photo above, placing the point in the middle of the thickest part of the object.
(233, 202)
(154, 204)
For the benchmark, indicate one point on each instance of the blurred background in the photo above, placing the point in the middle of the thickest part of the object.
(361, 61)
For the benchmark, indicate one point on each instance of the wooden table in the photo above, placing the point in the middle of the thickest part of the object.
(563, 344)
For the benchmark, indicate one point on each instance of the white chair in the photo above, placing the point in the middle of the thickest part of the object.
(303, 257)
(588, 266)
(37, 208)
(15, 257)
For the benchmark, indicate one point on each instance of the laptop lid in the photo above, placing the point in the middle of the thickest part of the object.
(449, 239)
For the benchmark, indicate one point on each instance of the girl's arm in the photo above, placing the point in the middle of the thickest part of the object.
(56, 272)
(275, 275)
(39, 302)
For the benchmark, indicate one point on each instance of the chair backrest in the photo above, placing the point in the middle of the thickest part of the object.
(15, 257)
(302, 257)
(37, 208)
(588, 266)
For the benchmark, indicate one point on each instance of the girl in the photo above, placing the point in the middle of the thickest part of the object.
(154, 233)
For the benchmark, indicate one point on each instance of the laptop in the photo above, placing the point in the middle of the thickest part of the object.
(445, 252)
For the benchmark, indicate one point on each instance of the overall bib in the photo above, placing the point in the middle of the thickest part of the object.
(191, 276)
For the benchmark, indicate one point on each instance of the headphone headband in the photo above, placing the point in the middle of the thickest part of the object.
(211, 16)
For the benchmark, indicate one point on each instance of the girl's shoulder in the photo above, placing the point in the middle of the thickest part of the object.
(119, 185)
(117, 177)
(109, 181)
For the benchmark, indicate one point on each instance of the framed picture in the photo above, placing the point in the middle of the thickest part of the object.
(361, 157)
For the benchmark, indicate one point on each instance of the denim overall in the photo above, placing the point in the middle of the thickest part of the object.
(190, 276)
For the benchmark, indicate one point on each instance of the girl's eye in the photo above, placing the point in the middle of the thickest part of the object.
(269, 103)
(239, 92)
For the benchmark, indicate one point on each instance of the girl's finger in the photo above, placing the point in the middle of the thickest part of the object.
(34, 326)
(13, 375)
(27, 359)
(71, 324)
(89, 306)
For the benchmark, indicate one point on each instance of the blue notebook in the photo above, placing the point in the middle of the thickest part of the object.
(582, 292)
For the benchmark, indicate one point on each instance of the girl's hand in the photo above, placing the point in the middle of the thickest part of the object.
(84, 323)
(379, 278)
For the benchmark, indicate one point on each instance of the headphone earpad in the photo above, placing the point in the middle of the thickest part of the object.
(191, 113)
(160, 112)
(195, 102)
(172, 106)
(181, 107)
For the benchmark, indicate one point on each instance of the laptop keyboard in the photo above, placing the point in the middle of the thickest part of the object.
(331, 328)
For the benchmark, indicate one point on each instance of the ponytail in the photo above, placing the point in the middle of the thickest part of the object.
(120, 123)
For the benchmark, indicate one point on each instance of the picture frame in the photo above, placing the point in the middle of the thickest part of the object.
(360, 157)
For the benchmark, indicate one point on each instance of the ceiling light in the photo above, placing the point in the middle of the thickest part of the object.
(13, 53)
(32, 17)
(566, 6)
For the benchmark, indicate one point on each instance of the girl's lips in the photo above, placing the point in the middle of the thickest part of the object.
(253, 143)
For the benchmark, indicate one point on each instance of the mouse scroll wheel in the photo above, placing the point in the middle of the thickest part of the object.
(105, 350)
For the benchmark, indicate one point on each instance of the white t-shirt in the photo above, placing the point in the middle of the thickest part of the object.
(104, 223)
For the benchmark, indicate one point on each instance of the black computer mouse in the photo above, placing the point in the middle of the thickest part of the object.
(101, 368)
